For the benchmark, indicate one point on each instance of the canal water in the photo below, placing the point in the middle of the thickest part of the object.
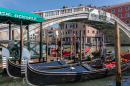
(5, 80)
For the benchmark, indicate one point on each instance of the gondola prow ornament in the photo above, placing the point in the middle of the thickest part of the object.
(25, 59)
(5, 56)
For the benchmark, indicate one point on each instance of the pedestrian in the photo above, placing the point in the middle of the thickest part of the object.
(102, 52)
(59, 46)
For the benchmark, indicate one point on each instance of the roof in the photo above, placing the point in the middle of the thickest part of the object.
(117, 5)
(15, 16)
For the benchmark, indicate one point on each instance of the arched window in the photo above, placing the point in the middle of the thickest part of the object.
(127, 22)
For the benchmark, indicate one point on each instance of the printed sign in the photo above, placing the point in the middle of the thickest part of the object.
(17, 16)
(99, 15)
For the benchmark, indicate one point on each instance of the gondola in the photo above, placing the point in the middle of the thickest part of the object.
(17, 70)
(14, 70)
(70, 74)
(67, 52)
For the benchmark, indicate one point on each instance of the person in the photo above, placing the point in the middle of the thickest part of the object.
(77, 45)
(102, 52)
(49, 48)
(59, 46)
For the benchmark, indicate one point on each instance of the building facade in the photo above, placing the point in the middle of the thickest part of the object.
(122, 11)
(69, 29)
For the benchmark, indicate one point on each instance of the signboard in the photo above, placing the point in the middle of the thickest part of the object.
(17, 16)
(99, 15)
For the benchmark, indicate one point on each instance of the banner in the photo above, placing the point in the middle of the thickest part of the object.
(99, 15)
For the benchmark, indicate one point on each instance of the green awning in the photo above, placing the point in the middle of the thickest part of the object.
(15, 16)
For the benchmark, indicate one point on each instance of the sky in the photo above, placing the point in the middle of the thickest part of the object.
(44, 5)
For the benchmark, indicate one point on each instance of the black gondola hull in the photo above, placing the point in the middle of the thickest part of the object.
(37, 77)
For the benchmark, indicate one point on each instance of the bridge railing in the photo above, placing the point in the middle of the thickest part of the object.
(15, 49)
(62, 11)
(120, 22)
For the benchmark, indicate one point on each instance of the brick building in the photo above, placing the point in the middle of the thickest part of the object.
(122, 11)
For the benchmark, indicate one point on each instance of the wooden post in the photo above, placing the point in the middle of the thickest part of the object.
(103, 39)
(61, 48)
(12, 34)
(84, 46)
(96, 44)
(80, 47)
(27, 27)
(56, 46)
(70, 48)
(47, 47)
(9, 30)
(117, 54)
(74, 47)
(21, 42)
(41, 41)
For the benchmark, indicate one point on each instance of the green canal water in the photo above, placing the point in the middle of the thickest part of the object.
(5, 80)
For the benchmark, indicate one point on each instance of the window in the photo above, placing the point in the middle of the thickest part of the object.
(84, 31)
(127, 23)
(113, 11)
(97, 32)
(73, 32)
(84, 25)
(66, 32)
(66, 26)
(119, 10)
(93, 31)
(120, 15)
(76, 32)
(127, 8)
(88, 31)
(127, 14)
(76, 25)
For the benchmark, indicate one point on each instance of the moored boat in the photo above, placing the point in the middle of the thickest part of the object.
(70, 74)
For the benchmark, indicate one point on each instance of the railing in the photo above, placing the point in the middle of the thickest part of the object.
(63, 11)
(12, 49)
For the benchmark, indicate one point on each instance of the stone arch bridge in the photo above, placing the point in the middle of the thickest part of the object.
(101, 20)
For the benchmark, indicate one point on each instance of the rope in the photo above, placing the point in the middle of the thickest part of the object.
(125, 68)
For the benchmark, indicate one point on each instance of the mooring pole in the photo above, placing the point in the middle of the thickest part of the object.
(12, 34)
(80, 47)
(96, 44)
(21, 42)
(103, 39)
(56, 46)
(27, 27)
(74, 47)
(84, 46)
(70, 48)
(117, 55)
(47, 47)
(41, 41)
(9, 30)
(61, 48)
